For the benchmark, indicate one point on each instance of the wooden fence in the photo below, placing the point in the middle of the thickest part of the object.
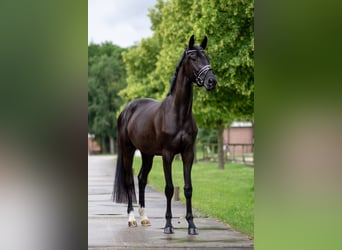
(236, 153)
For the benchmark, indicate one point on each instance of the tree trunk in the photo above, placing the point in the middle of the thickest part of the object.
(220, 129)
(111, 144)
(115, 146)
(104, 148)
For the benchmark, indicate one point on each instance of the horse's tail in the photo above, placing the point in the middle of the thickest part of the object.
(120, 188)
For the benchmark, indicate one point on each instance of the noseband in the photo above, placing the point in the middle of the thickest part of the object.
(201, 73)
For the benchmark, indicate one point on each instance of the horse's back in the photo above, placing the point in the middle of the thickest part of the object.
(142, 101)
(135, 107)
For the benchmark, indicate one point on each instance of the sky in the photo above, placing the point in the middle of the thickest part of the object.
(123, 22)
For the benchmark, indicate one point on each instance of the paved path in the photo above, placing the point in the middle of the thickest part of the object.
(107, 221)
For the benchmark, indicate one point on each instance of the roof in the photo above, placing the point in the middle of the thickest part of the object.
(241, 124)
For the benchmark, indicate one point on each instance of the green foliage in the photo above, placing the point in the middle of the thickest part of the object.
(106, 77)
(140, 64)
(227, 195)
(229, 25)
(175, 30)
(207, 136)
(156, 15)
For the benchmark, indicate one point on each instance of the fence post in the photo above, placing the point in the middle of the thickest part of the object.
(176, 194)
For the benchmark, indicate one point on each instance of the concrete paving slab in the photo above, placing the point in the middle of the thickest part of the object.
(108, 228)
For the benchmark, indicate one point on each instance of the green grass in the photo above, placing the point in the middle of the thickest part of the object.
(227, 195)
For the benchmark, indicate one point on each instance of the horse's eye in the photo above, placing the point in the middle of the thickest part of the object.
(193, 58)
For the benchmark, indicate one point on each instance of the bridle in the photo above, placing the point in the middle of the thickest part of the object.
(201, 73)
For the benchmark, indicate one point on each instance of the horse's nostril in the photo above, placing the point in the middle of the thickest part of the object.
(212, 81)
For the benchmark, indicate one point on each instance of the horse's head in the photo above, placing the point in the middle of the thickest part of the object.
(198, 61)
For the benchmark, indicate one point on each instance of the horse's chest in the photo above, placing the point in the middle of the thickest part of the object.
(177, 133)
(181, 138)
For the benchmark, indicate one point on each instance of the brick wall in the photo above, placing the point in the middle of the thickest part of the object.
(238, 135)
(93, 147)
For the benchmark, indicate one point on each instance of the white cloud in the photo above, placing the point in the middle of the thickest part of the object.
(123, 22)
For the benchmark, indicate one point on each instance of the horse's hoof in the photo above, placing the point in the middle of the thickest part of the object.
(192, 231)
(145, 223)
(168, 230)
(132, 223)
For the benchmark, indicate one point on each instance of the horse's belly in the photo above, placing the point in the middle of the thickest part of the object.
(143, 136)
(147, 145)
(156, 145)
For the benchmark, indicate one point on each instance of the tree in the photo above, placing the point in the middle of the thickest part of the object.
(151, 64)
(106, 77)
(230, 27)
(140, 62)
(175, 29)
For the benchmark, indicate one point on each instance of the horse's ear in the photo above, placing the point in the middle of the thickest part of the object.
(204, 42)
(191, 42)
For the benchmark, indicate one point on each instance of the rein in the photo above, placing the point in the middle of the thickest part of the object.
(201, 73)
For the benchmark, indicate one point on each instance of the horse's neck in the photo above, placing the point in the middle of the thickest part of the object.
(182, 102)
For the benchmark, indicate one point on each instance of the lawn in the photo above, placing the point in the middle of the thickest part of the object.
(227, 195)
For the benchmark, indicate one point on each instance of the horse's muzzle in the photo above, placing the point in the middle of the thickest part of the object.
(210, 83)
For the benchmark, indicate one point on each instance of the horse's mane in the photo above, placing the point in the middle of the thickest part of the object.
(174, 77)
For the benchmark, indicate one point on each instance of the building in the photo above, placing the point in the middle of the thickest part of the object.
(93, 147)
(239, 138)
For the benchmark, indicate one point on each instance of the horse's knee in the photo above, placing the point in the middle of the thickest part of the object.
(169, 191)
(188, 191)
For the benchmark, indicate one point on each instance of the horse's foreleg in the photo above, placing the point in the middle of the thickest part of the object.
(188, 158)
(142, 177)
(167, 162)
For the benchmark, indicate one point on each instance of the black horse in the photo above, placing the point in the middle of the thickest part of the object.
(162, 128)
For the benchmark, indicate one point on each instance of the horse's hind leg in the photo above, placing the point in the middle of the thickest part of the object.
(129, 182)
(142, 177)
